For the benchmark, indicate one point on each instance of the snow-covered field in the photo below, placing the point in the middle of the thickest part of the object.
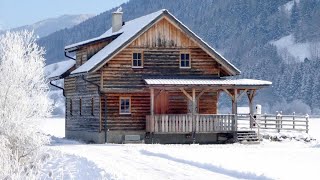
(268, 160)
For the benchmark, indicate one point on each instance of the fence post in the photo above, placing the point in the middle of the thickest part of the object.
(293, 119)
(278, 122)
(307, 123)
(265, 120)
(280, 119)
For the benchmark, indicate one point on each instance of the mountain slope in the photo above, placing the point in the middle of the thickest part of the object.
(48, 26)
(244, 31)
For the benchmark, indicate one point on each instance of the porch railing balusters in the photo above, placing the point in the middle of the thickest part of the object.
(186, 123)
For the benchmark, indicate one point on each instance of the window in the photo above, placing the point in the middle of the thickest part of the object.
(125, 105)
(92, 107)
(185, 61)
(137, 60)
(70, 107)
(80, 106)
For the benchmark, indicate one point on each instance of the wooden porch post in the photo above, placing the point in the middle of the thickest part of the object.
(217, 103)
(194, 111)
(235, 111)
(193, 114)
(151, 101)
(234, 102)
(251, 94)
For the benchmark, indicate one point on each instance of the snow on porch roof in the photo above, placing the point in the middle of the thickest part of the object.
(209, 82)
(129, 32)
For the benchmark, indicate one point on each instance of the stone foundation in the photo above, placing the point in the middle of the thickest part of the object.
(117, 137)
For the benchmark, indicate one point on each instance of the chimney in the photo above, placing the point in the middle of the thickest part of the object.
(117, 20)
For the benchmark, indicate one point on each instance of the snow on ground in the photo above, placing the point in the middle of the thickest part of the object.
(314, 126)
(268, 160)
(53, 126)
(67, 166)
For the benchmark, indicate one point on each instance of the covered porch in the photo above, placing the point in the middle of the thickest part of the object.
(200, 98)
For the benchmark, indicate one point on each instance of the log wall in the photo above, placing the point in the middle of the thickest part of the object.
(89, 118)
(208, 103)
(140, 107)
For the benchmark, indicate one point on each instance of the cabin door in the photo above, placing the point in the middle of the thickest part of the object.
(161, 103)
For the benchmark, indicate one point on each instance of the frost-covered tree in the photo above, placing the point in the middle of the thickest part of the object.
(23, 101)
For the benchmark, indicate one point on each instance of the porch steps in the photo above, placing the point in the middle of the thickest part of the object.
(248, 137)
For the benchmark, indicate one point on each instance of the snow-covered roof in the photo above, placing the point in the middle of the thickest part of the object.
(128, 32)
(56, 70)
(209, 82)
(105, 35)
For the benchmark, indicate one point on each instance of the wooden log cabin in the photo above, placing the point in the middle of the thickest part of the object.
(153, 80)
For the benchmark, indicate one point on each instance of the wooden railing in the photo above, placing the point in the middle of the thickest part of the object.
(278, 122)
(185, 123)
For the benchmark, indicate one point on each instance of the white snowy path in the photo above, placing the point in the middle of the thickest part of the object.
(269, 160)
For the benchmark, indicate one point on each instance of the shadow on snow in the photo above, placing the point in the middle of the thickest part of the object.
(207, 166)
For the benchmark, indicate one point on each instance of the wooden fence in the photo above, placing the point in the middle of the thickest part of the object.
(278, 122)
(185, 123)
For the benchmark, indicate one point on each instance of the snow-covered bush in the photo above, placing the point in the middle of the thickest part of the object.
(23, 101)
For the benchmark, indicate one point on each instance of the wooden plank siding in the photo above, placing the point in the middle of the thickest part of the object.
(119, 72)
(163, 34)
(86, 121)
(161, 46)
(208, 103)
(75, 89)
(160, 58)
(86, 52)
(140, 107)
(177, 103)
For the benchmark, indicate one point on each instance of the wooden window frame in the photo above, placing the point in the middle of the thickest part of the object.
(125, 98)
(180, 60)
(132, 59)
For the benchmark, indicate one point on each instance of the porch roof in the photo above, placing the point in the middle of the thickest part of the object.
(207, 82)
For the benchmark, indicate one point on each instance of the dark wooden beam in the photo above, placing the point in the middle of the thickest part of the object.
(241, 94)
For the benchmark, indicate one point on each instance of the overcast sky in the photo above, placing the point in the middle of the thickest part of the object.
(15, 13)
